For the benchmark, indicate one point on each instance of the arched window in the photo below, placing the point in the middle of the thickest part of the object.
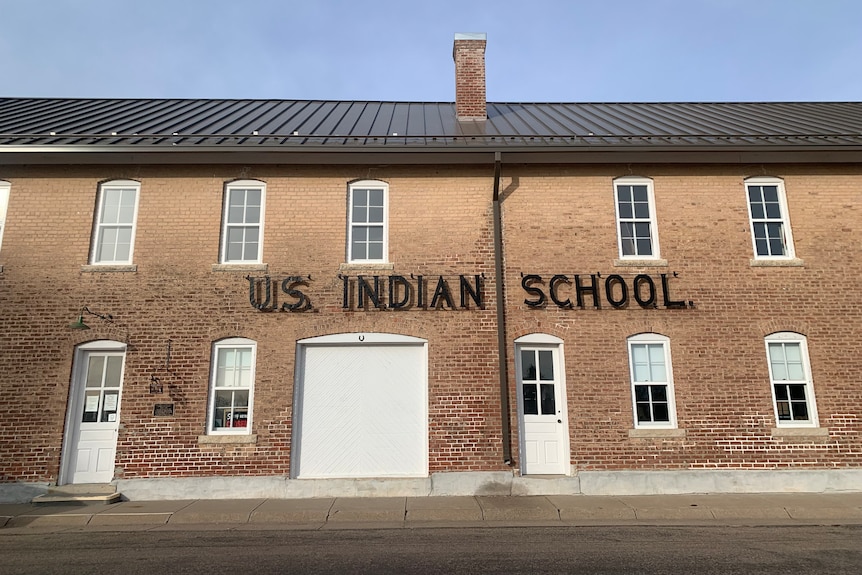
(790, 377)
(242, 222)
(770, 221)
(116, 217)
(637, 233)
(4, 203)
(652, 381)
(368, 232)
(232, 386)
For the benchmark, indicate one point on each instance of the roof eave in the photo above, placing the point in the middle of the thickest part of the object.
(726, 153)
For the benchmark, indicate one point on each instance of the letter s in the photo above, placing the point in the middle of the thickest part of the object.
(526, 283)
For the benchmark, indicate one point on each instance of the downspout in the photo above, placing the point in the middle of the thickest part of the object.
(501, 315)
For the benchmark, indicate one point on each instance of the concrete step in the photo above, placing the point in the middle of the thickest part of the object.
(80, 494)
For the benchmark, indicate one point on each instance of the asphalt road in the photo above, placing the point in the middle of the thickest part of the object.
(579, 550)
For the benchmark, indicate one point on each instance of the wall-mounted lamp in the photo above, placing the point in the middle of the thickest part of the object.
(79, 323)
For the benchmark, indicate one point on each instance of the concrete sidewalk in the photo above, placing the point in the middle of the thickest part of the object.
(417, 512)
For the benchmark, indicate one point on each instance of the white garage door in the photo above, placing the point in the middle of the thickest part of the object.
(361, 407)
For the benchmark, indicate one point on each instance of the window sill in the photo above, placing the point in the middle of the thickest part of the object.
(357, 267)
(98, 268)
(656, 263)
(226, 439)
(643, 433)
(240, 267)
(788, 263)
(800, 432)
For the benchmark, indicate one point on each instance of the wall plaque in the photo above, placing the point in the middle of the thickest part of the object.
(163, 410)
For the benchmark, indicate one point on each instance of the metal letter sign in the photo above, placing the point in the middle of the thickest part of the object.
(642, 290)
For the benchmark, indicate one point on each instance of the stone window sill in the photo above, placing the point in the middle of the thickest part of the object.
(226, 439)
(800, 432)
(240, 267)
(356, 267)
(649, 433)
(640, 263)
(89, 269)
(788, 263)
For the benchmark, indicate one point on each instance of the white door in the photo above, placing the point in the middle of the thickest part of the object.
(542, 410)
(94, 417)
(361, 409)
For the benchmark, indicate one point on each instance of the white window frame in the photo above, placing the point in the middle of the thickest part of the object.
(651, 220)
(801, 341)
(352, 225)
(227, 226)
(101, 226)
(783, 220)
(648, 339)
(234, 343)
(5, 188)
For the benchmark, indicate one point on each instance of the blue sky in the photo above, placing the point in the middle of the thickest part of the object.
(538, 50)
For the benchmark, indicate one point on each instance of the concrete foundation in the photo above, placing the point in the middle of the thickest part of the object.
(21, 492)
(719, 481)
(611, 483)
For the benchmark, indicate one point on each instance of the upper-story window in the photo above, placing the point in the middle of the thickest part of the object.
(4, 204)
(770, 221)
(117, 212)
(232, 386)
(367, 234)
(790, 376)
(636, 226)
(652, 381)
(242, 223)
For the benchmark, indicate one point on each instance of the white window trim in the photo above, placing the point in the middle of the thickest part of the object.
(653, 338)
(792, 337)
(5, 188)
(243, 184)
(790, 252)
(233, 342)
(368, 184)
(637, 181)
(97, 226)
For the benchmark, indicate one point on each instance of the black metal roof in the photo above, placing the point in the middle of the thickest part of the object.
(285, 124)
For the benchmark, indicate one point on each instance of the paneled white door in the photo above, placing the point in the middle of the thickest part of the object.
(541, 406)
(95, 417)
(361, 411)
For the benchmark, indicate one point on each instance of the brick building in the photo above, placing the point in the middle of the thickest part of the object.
(294, 298)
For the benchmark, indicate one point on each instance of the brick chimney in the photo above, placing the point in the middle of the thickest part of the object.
(469, 55)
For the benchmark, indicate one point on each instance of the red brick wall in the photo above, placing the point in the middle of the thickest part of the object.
(556, 220)
(561, 220)
(440, 224)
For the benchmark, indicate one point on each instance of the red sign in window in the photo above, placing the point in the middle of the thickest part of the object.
(238, 420)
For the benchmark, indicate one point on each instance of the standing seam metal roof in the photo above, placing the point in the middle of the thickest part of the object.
(61, 122)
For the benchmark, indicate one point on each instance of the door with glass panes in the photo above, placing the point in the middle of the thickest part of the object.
(541, 406)
(94, 417)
